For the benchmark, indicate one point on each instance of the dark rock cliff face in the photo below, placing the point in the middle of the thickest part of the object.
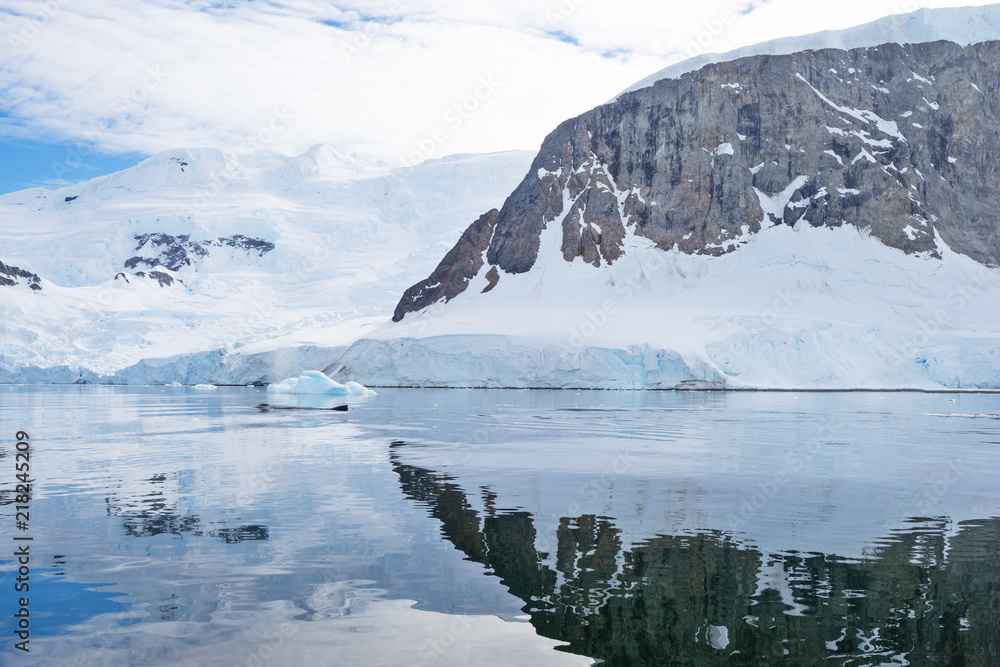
(901, 140)
(458, 267)
(12, 276)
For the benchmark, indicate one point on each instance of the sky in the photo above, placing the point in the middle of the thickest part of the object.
(93, 86)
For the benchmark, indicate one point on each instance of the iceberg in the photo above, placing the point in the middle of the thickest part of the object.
(315, 382)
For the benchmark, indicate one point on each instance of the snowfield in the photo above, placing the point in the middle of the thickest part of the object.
(347, 240)
(796, 307)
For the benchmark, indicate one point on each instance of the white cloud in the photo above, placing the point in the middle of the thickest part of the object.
(381, 78)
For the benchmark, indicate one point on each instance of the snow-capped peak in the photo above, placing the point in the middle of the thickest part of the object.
(962, 25)
(321, 162)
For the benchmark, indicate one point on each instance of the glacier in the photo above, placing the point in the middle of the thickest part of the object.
(796, 308)
(288, 259)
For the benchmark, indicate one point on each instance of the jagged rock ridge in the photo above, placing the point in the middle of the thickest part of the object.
(899, 140)
(12, 276)
(162, 278)
(176, 252)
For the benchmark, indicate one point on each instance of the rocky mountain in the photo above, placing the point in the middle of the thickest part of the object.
(896, 140)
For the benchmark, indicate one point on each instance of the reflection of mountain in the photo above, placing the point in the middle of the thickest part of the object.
(927, 596)
(154, 513)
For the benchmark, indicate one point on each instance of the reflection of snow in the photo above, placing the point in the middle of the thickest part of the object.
(718, 636)
(773, 576)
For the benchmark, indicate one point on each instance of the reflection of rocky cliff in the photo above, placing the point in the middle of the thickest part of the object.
(922, 599)
(153, 513)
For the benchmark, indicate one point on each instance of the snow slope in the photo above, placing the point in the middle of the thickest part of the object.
(797, 307)
(962, 25)
(347, 239)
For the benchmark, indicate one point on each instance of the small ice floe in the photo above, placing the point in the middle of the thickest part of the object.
(315, 382)
(964, 416)
(205, 386)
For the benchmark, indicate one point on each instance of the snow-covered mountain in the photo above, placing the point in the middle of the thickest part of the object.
(819, 219)
(195, 253)
(824, 219)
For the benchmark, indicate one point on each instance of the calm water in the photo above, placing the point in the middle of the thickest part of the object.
(179, 526)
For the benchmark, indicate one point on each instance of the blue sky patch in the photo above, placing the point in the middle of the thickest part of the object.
(563, 37)
(26, 164)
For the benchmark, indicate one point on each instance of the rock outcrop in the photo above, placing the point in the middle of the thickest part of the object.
(176, 252)
(13, 276)
(899, 140)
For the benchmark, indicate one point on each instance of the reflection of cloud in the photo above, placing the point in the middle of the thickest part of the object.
(228, 66)
(384, 631)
